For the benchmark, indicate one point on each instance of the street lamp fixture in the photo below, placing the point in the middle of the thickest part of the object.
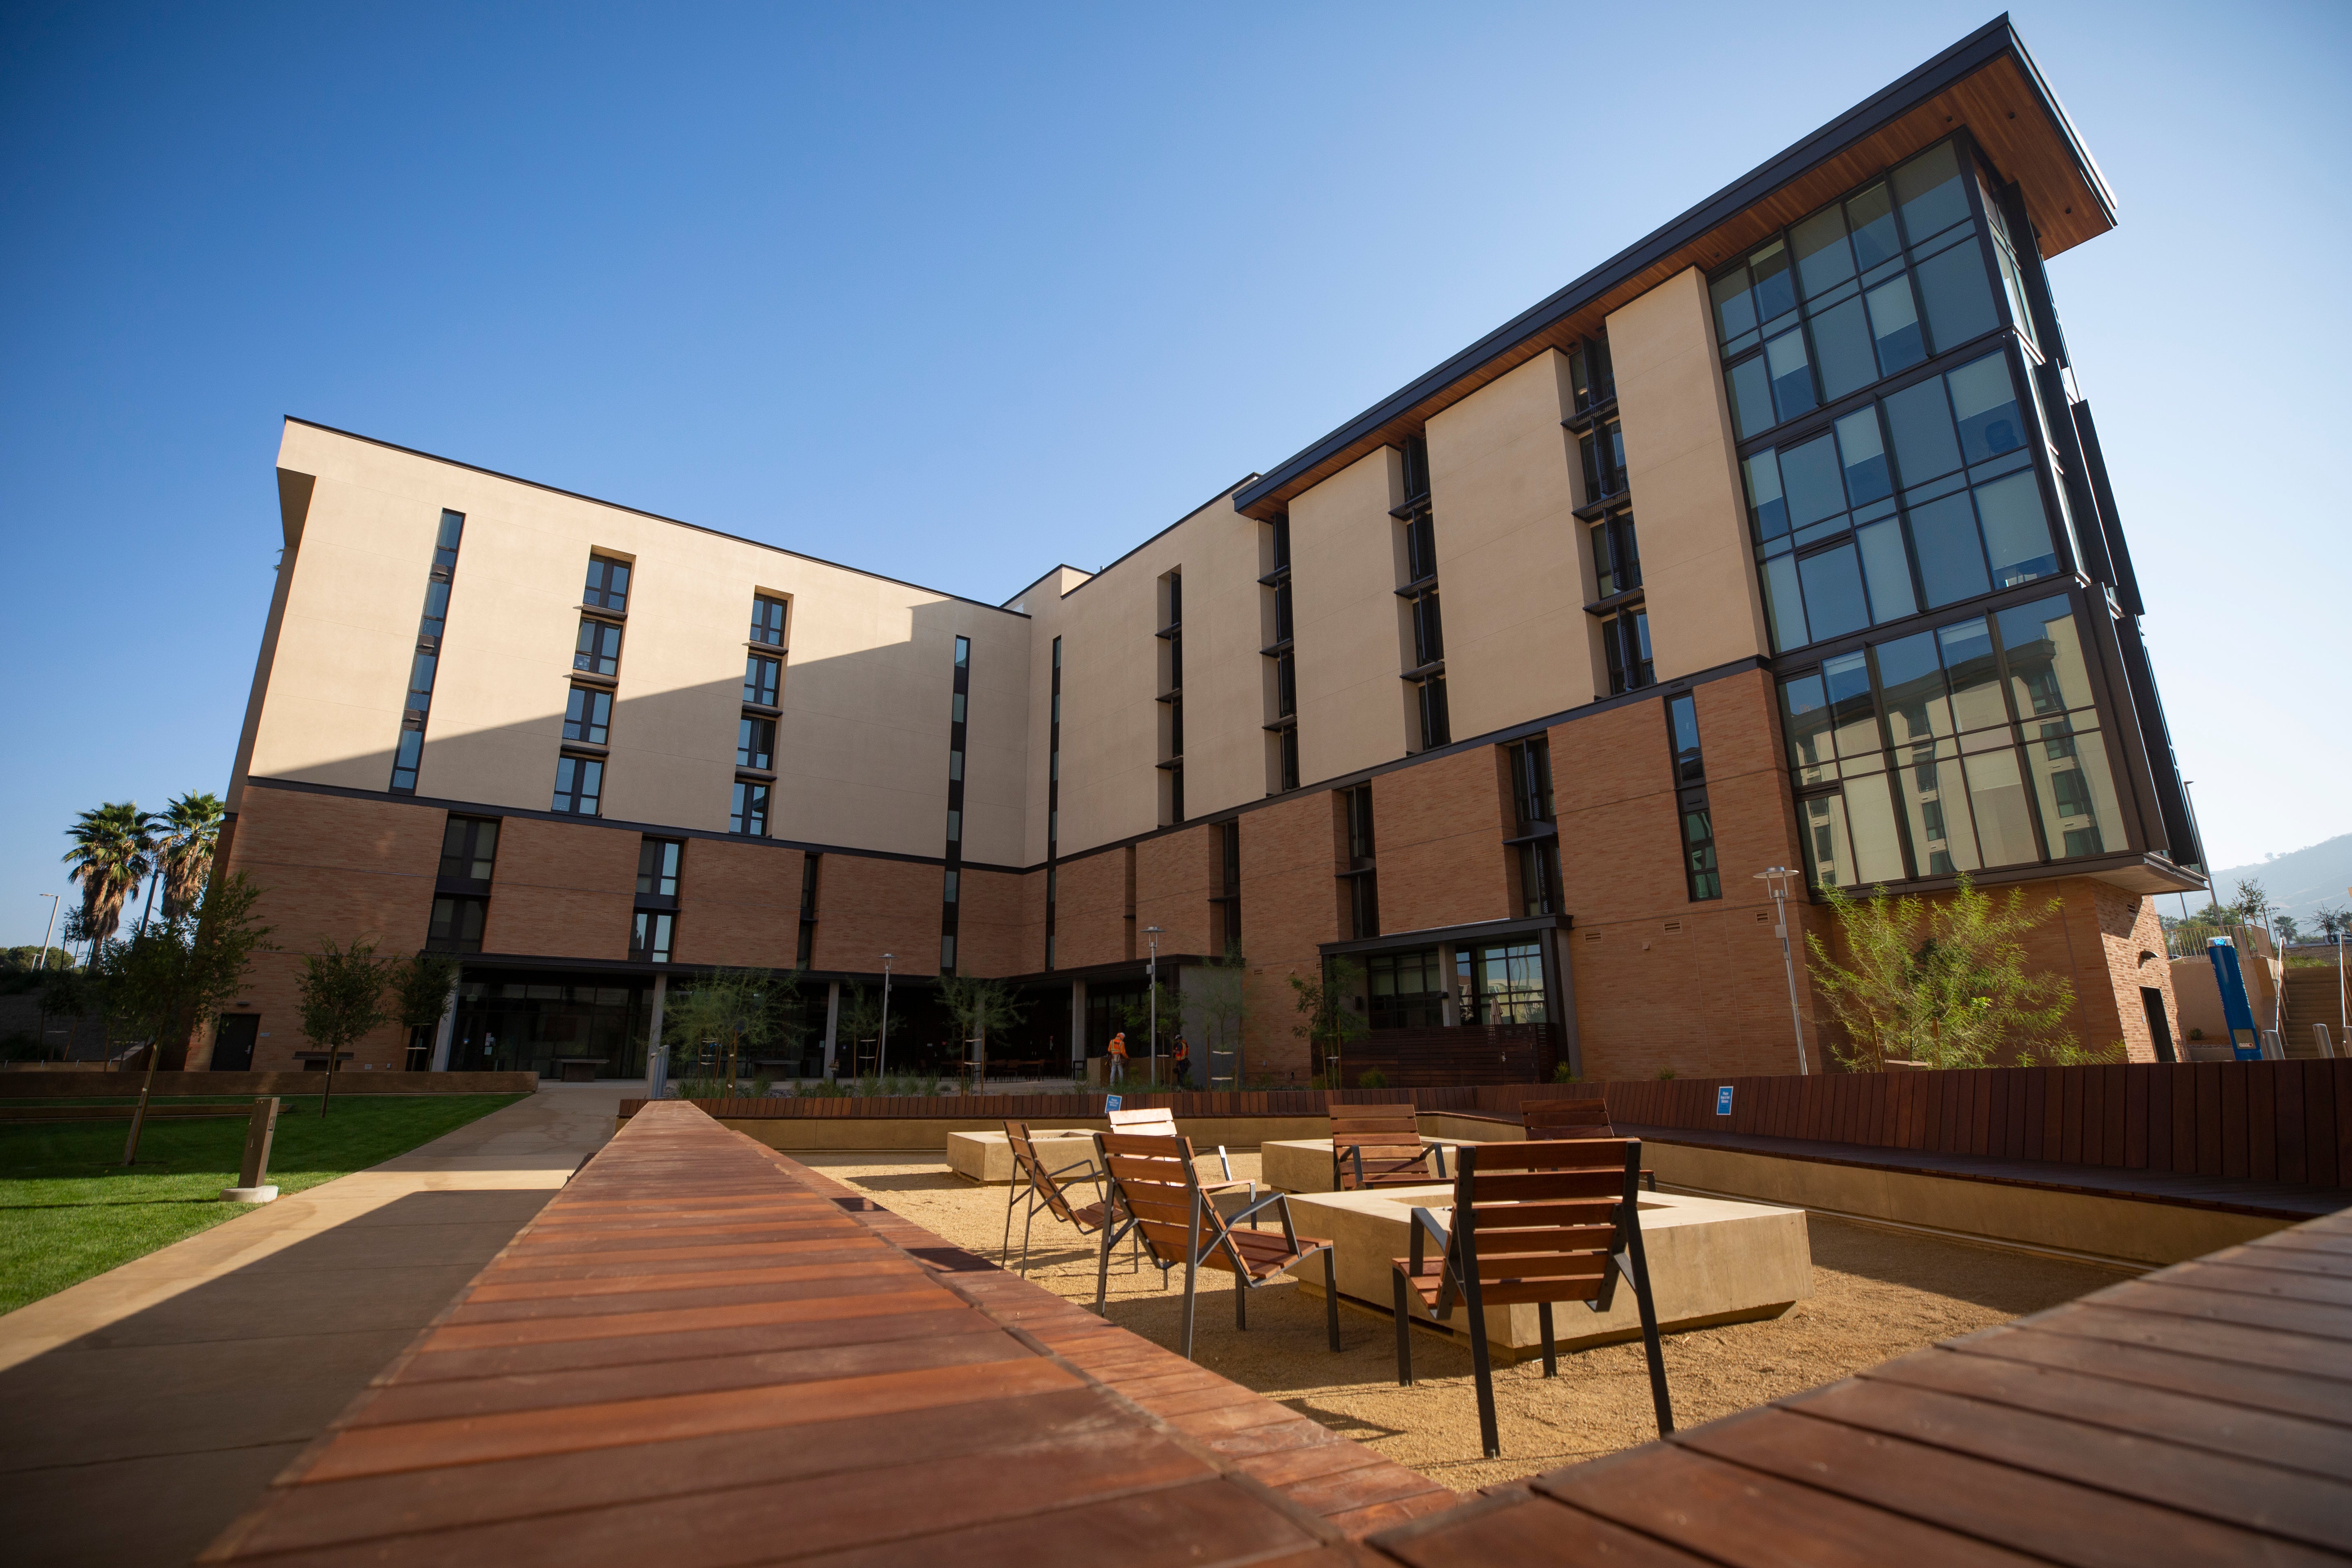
(882, 1042)
(1779, 879)
(1152, 985)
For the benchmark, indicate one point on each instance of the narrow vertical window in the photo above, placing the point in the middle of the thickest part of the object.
(1534, 840)
(767, 620)
(812, 864)
(1053, 797)
(408, 752)
(958, 722)
(1358, 880)
(1696, 821)
(1281, 666)
(579, 784)
(749, 813)
(608, 584)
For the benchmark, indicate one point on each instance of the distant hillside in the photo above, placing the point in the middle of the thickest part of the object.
(2299, 882)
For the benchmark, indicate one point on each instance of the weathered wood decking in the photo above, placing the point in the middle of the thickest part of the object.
(703, 1353)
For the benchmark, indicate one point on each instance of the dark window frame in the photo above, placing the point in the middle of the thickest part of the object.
(599, 591)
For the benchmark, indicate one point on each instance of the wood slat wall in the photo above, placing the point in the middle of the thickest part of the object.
(2287, 1122)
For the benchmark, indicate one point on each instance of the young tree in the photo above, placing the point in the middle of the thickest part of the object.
(1941, 982)
(420, 989)
(1160, 1003)
(1326, 1022)
(342, 997)
(162, 983)
(738, 1009)
(2335, 921)
(1218, 990)
(979, 1008)
(860, 1020)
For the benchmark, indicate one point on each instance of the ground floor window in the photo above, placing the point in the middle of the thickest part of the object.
(1406, 990)
(1501, 984)
(534, 1022)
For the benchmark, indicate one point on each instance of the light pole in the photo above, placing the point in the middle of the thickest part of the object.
(45, 931)
(1778, 879)
(1151, 972)
(882, 1040)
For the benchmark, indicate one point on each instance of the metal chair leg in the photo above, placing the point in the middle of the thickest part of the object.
(1190, 1280)
(1331, 1298)
(1482, 1370)
(1102, 1271)
(1240, 1302)
(1012, 1192)
(1550, 1355)
(1403, 1332)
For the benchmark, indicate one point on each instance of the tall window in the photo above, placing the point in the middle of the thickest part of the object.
(811, 864)
(579, 781)
(608, 583)
(1359, 888)
(1501, 984)
(1053, 798)
(1534, 842)
(1972, 745)
(755, 742)
(1429, 701)
(1171, 698)
(456, 924)
(1616, 558)
(749, 813)
(1702, 878)
(959, 711)
(598, 649)
(1424, 651)
(408, 752)
(658, 867)
(1281, 664)
(1602, 451)
(650, 935)
(762, 676)
(588, 715)
(469, 850)
(1592, 380)
(767, 620)
(1225, 903)
(1406, 990)
(1625, 645)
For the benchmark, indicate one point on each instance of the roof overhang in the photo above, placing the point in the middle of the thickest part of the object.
(1987, 82)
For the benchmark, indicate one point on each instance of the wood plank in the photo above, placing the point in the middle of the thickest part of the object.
(2227, 1307)
(1739, 1517)
(2052, 1519)
(1519, 1528)
(2292, 1392)
(2222, 1339)
(2261, 1122)
(2218, 1486)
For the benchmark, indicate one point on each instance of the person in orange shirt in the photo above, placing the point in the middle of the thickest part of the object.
(1118, 1058)
(1183, 1063)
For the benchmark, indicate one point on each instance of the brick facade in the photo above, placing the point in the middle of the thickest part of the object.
(564, 889)
(1290, 904)
(867, 906)
(1173, 877)
(1437, 842)
(993, 936)
(1091, 907)
(739, 905)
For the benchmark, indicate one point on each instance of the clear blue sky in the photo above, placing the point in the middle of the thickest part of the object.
(959, 293)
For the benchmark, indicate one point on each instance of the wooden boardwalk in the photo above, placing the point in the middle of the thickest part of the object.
(702, 1353)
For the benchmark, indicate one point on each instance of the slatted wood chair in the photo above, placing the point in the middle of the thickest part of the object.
(1045, 1192)
(1379, 1146)
(1555, 1119)
(1159, 1197)
(1159, 1121)
(1558, 1220)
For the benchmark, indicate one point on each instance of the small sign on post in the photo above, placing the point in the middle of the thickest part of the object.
(1722, 1099)
(260, 1130)
(1110, 1102)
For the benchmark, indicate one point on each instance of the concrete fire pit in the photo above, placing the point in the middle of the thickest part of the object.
(987, 1157)
(1712, 1261)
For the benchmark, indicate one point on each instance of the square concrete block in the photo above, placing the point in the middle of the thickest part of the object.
(987, 1157)
(1711, 1261)
(1304, 1165)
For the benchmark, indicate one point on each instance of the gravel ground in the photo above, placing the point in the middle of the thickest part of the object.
(1877, 1294)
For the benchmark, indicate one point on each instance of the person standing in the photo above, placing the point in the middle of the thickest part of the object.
(1183, 1063)
(1118, 1058)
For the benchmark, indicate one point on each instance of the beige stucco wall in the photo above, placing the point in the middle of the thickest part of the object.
(1512, 580)
(1697, 568)
(1352, 708)
(862, 741)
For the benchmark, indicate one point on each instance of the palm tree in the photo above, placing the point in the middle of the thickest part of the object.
(114, 849)
(191, 827)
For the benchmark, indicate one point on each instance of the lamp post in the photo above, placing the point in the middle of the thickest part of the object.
(1778, 879)
(45, 931)
(1151, 983)
(882, 1040)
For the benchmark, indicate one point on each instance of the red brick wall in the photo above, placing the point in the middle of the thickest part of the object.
(738, 904)
(1173, 878)
(329, 868)
(992, 935)
(1090, 924)
(1437, 841)
(562, 889)
(867, 906)
(1290, 903)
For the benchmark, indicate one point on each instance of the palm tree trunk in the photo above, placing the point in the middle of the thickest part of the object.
(155, 880)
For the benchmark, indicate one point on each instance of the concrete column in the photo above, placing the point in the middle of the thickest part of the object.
(1078, 1028)
(444, 1034)
(832, 1022)
(1450, 1010)
(657, 1063)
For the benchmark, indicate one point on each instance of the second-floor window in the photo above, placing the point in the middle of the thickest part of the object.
(456, 925)
(650, 936)
(598, 650)
(767, 620)
(762, 678)
(658, 867)
(469, 848)
(588, 715)
(608, 583)
(579, 784)
(749, 814)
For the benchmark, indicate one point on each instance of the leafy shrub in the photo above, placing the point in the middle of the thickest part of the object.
(1372, 1078)
(1565, 1074)
(1665, 1073)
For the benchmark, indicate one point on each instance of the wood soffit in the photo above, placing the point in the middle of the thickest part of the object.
(2002, 102)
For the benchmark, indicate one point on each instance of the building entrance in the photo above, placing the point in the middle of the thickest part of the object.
(538, 1021)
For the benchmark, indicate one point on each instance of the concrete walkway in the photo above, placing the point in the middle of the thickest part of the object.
(148, 1408)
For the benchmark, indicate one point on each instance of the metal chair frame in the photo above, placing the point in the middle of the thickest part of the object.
(1458, 1278)
(1043, 1190)
(1208, 1232)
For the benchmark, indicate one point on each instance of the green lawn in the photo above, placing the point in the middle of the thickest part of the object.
(69, 1209)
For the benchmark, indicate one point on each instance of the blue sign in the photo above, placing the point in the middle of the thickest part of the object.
(1723, 1100)
(1110, 1102)
(2245, 1038)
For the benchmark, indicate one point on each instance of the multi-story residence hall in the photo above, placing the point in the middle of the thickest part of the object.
(1780, 538)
